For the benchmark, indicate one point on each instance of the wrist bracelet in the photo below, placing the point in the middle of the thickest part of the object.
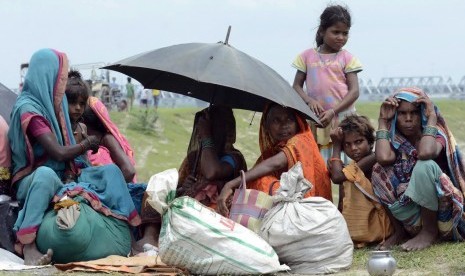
(430, 131)
(382, 134)
(207, 143)
(335, 159)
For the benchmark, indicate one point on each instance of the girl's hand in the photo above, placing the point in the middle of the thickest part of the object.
(226, 192)
(429, 107)
(315, 107)
(326, 117)
(388, 108)
(336, 135)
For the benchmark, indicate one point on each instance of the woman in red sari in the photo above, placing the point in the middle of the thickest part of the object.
(285, 139)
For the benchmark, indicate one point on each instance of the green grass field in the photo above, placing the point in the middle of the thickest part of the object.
(166, 146)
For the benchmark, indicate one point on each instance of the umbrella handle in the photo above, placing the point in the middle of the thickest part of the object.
(196, 162)
(227, 36)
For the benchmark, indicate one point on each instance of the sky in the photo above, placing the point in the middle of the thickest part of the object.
(392, 38)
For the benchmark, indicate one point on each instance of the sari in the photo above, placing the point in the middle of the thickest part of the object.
(103, 156)
(36, 177)
(223, 130)
(300, 148)
(410, 184)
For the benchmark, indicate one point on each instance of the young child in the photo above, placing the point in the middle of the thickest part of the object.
(365, 216)
(329, 74)
(77, 93)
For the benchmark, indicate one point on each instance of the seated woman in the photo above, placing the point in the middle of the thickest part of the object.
(365, 216)
(211, 158)
(285, 139)
(211, 161)
(43, 154)
(5, 159)
(419, 176)
(114, 148)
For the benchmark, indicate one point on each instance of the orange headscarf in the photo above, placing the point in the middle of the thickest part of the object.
(301, 147)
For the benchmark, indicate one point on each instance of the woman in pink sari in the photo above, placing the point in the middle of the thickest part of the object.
(114, 148)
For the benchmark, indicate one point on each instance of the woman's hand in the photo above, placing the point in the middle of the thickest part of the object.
(93, 143)
(315, 107)
(204, 125)
(428, 104)
(326, 117)
(388, 108)
(226, 192)
(188, 187)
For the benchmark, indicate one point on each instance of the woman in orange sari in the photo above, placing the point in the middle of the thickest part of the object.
(285, 139)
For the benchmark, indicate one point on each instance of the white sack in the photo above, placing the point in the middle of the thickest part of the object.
(204, 242)
(310, 235)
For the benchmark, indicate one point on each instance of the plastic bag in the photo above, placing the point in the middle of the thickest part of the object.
(310, 235)
(202, 241)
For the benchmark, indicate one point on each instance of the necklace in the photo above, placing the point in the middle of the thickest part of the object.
(327, 61)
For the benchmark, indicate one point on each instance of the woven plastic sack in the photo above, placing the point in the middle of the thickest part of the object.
(196, 238)
(249, 206)
(308, 234)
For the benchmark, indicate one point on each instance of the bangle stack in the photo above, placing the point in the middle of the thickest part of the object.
(382, 134)
(335, 159)
(430, 131)
(207, 143)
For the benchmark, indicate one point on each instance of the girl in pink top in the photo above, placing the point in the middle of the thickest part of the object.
(329, 74)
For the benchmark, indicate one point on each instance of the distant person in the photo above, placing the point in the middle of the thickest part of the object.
(156, 98)
(77, 93)
(113, 84)
(419, 176)
(144, 98)
(130, 90)
(329, 73)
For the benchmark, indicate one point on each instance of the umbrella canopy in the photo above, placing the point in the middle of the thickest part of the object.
(8, 99)
(214, 72)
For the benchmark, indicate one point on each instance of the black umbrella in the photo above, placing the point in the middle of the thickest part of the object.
(214, 72)
(8, 99)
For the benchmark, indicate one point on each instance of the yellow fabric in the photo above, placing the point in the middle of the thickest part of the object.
(354, 65)
(64, 204)
(366, 218)
(155, 92)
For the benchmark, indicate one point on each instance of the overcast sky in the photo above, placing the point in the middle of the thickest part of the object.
(391, 37)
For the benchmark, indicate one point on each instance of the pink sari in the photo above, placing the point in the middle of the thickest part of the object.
(103, 157)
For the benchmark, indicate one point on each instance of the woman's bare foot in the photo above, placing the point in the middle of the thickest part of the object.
(32, 255)
(396, 238)
(421, 241)
(428, 234)
(151, 233)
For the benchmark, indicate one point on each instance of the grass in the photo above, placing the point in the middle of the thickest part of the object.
(162, 144)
